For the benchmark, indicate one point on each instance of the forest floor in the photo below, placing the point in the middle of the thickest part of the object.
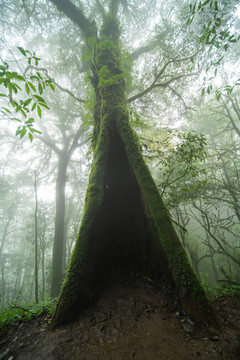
(132, 319)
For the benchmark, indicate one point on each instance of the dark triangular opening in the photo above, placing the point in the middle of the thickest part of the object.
(123, 235)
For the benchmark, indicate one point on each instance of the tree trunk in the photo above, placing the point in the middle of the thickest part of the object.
(36, 238)
(57, 266)
(10, 215)
(125, 223)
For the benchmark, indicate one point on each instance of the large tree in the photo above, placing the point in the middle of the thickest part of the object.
(125, 222)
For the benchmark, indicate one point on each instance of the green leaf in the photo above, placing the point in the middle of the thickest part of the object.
(19, 77)
(40, 89)
(27, 88)
(13, 87)
(6, 109)
(30, 136)
(39, 75)
(27, 102)
(23, 112)
(17, 86)
(31, 86)
(18, 131)
(23, 132)
(3, 95)
(29, 121)
(16, 119)
(44, 105)
(39, 98)
(51, 86)
(35, 131)
(39, 111)
(34, 106)
(22, 50)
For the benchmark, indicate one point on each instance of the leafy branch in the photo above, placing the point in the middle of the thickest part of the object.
(31, 88)
(216, 33)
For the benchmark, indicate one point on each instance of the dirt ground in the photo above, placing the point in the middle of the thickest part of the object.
(132, 319)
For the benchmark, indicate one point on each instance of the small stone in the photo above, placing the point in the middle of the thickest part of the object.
(187, 327)
(190, 321)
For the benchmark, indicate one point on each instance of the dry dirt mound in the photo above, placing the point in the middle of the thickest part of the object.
(133, 319)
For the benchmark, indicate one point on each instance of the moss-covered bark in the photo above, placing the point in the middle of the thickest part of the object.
(125, 223)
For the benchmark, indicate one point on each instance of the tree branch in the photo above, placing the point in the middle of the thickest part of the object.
(154, 85)
(232, 121)
(45, 71)
(159, 75)
(77, 16)
(101, 8)
(181, 98)
(113, 7)
(143, 49)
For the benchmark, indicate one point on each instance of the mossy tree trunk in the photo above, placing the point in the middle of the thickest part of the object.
(125, 223)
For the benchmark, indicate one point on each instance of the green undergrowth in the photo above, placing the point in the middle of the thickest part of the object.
(16, 313)
(215, 291)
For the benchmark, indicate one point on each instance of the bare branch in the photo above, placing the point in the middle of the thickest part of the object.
(155, 85)
(181, 98)
(159, 75)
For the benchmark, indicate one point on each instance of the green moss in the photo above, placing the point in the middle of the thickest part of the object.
(113, 126)
(110, 29)
(189, 287)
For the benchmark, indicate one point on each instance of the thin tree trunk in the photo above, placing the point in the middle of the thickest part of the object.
(36, 237)
(11, 212)
(57, 266)
(58, 258)
(43, 263)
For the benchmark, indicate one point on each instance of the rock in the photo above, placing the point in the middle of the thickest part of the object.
(187, 327)
(215, 338)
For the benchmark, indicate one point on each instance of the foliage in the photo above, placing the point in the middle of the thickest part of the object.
(106, 78)
(34, 86)
(217, 291)
(177, 156)
(216, 19)
(215, 31)
(15, 313)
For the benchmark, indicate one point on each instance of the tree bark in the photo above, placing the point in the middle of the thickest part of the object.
(125, 222)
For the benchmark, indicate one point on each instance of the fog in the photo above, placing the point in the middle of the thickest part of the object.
(183, 102)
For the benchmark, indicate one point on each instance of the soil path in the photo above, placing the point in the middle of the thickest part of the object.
(133, 319)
